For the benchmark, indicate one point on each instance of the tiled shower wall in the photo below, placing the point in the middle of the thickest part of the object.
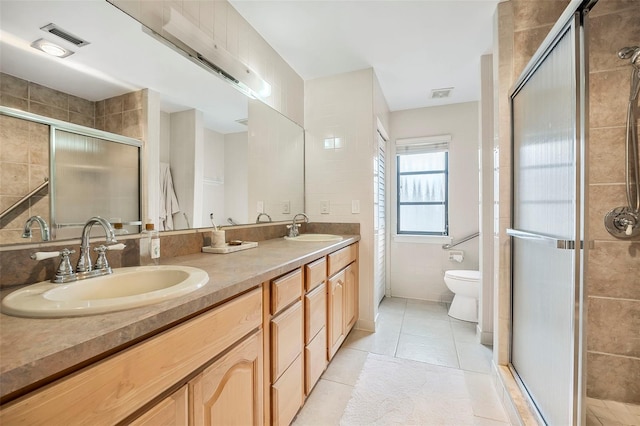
(22, 170)
(613, 275)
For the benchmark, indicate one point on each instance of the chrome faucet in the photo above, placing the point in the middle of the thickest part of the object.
(44, 228)
(84, 262)
(263, 214)
(293, 228)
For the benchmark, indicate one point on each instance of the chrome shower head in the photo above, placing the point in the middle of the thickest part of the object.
(628, 52)
(635, 59)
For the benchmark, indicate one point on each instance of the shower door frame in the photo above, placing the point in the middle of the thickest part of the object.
(574, 18)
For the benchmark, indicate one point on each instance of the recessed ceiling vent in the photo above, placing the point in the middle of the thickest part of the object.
(65, 35)
(244, 121)
(441, 93)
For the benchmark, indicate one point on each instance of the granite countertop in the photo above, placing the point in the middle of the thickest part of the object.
(33, 350)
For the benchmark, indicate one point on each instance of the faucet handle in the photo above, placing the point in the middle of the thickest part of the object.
(101, 261)
(64, 268)
(42, 255)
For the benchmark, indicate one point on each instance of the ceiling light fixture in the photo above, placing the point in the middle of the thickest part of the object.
(445, 92)
(51, 48)
(209, 54)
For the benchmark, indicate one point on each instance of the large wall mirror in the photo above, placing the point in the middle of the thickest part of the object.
(227, 154)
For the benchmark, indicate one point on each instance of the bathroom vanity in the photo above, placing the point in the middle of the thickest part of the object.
(247, 348)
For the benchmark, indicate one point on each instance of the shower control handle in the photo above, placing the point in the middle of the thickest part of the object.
(622, 222)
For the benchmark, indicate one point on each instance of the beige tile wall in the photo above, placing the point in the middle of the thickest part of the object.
(24, 165)
(31, 97)
(24, 146)
(613, 279)
(122, 115)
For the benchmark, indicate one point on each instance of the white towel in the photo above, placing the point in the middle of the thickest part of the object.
(168, 200)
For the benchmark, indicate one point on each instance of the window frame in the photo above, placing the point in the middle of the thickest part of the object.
(445, 203)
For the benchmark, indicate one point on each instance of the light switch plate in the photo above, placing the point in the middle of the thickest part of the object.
(260, 207)
(286, 207)
(324, 207)
(355, 206)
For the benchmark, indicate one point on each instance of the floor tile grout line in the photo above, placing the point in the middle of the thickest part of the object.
(404, 313)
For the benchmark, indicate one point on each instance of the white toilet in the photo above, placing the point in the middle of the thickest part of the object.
(466, 287)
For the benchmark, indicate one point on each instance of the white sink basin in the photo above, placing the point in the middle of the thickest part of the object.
(126, 288)
(315, 237)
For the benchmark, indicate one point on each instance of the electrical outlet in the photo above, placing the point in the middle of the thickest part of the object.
(286, 207)
(324, 207)
(355, 206)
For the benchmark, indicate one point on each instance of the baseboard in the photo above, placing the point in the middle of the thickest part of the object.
(486, 337)
(365, 325)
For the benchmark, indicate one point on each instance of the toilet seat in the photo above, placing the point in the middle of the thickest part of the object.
(463, 275)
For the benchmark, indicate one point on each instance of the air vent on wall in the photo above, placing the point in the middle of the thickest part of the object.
(65, 35)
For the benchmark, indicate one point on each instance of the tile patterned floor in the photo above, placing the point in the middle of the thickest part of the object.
(414, 330)
(610, 413)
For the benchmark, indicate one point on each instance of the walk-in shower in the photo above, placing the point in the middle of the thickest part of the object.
(624, 222)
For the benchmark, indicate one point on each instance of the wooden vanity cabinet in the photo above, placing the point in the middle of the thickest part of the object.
(342, 292)
(315, 323)
(287, 338)
(123, 386)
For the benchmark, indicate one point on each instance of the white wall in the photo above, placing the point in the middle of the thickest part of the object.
(342, 107)
(187, 162)
(485, 314)
(236, 175)
(276, 165)
(417, 264)
(213, 190)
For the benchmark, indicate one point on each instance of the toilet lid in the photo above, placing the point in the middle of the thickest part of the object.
(464, 275)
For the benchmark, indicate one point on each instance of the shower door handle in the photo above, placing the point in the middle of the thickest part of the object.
(544, 239)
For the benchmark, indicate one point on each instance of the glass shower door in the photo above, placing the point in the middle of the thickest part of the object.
(545, 243)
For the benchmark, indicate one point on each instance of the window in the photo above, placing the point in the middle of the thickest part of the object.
(422, 179)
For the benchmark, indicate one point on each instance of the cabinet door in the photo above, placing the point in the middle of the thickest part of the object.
(171, 411)
(230, 391)
(350, 297)
(335, 320)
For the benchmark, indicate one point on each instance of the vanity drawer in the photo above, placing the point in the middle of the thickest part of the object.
(315, 312)
(341, 258)
(116, 387)
(315, 360)
(315, 273)
(287, 393)
(286, 339)
(286, 290)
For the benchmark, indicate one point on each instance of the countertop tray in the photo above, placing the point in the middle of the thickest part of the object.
(229, 248)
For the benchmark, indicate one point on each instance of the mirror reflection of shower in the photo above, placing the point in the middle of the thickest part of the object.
(624, 222)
